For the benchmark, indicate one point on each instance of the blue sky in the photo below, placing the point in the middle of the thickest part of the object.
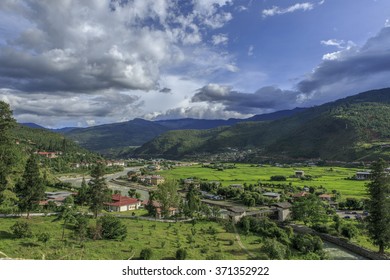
(82, 63)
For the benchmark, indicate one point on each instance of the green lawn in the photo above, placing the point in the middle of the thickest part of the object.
(330, 178)
(163, 238)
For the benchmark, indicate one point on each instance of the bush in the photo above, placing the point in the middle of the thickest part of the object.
(43, 237)
(278, 178)
(181, 254)
(146, 254)
(112, 228)
(274, 249)
(349, 231)
(21, 229)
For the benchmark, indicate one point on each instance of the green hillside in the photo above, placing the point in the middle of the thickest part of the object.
(353, 128)
(102, 138)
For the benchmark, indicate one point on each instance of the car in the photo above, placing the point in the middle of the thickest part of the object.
(347, 217)
(354, 212)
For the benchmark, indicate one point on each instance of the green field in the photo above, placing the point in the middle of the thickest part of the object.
(163, 238)
(331, 178)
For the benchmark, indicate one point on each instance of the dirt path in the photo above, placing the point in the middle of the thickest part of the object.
(238, 238)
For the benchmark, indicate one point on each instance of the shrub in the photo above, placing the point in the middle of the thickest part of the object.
(146, 254)
(112, 228)
(181, 254)
(349, 231)
(21, 229)
(43, 237)
(278, 178)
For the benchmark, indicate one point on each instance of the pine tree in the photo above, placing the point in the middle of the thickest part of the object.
(98, 191)
(82, 196)
(379, 206)
(31, 188)
(6, 146)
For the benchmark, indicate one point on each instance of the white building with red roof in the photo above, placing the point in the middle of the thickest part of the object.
(122, 203)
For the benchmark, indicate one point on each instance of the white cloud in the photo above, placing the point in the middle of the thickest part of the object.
(333, 42)
(275, 10)
(387, 23)
(220, 39)
(250, 50)
(84, 50)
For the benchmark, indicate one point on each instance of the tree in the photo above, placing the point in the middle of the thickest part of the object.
(349, 231)
(149, 206)
(21, 229)
(112, 228)
(31, 189)
(82, 196)
(181, 254)
(193, 201)
(98, 191)
(7, 122)
(309, 209)
(378, 222)
(146, 254)
(167, 195)
(67, 214)
(274, 249)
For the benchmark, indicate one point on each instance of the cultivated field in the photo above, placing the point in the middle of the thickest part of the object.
(331, 178)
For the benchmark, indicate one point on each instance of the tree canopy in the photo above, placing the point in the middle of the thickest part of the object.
(379, 206)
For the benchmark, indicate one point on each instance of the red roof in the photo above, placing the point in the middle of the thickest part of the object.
(118, 200)
(301, 194)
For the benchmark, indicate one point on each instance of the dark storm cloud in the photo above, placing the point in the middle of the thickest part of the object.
(270, 98)
(352, 65)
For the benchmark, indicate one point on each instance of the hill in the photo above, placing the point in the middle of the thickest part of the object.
(353, 128)
(119, 138)
(30, 140)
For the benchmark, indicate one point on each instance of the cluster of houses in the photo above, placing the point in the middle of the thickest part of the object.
(48, 154)
(88, 164)
(151, 180)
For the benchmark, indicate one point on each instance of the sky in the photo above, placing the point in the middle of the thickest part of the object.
(84, 63)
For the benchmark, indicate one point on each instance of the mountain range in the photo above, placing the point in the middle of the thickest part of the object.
(111, 139)
(353, 128)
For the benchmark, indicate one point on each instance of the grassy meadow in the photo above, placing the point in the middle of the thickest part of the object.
(204, 240)
(331, 178)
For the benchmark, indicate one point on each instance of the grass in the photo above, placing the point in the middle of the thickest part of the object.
(163, 238)
(330, 178)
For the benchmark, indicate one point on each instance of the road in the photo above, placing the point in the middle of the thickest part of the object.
(76, 181)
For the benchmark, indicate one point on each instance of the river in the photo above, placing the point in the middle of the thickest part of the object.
(338, 253)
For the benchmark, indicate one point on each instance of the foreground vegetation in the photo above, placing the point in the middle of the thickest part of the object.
(203, 240)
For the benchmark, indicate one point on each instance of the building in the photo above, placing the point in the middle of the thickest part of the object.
(57, 198)
(283, 210)
(236, 213)
(49, 154)
(157, 180)
(326, 197)
(121, 203)
(299, 173)
(272, 195)
(363, 175)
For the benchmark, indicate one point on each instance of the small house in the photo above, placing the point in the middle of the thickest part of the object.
(236, 213)
(299, 173)
(363, 175)
(272, 195)
(121, 203)
(283, 210)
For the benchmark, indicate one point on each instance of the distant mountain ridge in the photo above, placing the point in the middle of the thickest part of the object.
(352, 128)
(108, 138)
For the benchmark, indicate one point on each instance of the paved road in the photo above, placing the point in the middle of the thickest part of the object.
(76, 181)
